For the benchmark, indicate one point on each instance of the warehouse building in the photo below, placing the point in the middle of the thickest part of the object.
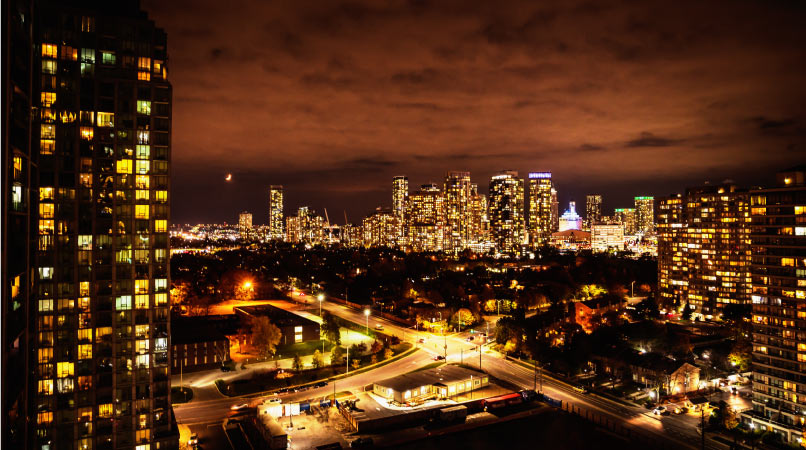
(438, 383)
(294, 328)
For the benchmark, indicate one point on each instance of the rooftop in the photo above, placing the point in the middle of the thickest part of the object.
(440, 375)
(278, 316)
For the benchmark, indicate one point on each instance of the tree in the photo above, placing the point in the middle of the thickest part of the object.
(297, 363)
(330, 328)
(376, 347)
(388, 353)
(646, 309)
(463, 317)
(265, 336)
(374, 358)
(686, 314)
(336, 353)
(356, 363)
(317, 361)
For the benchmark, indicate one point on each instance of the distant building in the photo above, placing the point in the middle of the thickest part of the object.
(778, 270)
(540, 208)
(438, 383)
(571, 240)
(197, 345)
(479, 219)
(704, 249)
(245, 225)
(425, 219)
(276, 219)
(586, 313)
(653, 370)
(627, 218)
(506, 212)
(645, 215)
(352, 235)
(306, 227)
(593, 210)
(607, 236)
(400, 198)
(457, 211)
(295, 328)
(570, 220)
(555, 211)
(381, 229)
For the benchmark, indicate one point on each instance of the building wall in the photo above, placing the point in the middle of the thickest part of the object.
(198, 356)
(507, 225)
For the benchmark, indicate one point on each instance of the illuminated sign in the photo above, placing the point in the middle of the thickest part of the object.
(644, 198)
(539, 174)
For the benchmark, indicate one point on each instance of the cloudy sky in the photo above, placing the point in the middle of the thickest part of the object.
(332, 99)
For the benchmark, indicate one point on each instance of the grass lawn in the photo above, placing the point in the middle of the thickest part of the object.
(183, 395)
(301, 349)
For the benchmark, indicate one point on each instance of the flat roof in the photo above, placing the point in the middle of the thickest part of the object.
(439, 375)
(278, 316)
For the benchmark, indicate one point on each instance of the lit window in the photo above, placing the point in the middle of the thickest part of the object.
(161, 196)
(143, 151)
(85, 351)
(800, 231)
(108, 58)
(161, 226)
(143, 166)
(88, 55)
(143, 107)
(141, 286)
(45, 355)
(124, 166)
(105, 410)
(141, 211)
(46, 226)
(106, 119)
(297, 338)
(45, 387)
(141, 182)
(49, 66)
(47, 146)
(85, 242)
(64, 369)
(49, 51)
(46, 305)
(160, 299)
(142, 136)
(45, 273)
(141, 301)
(144, 76)
(48, 131)
(124, 256)
(160, 284)
(142, 361)
(141, 194)
(788, 262)
(69, 53)
(87, 133)
(44, 418)
(46, 210)
(141, 346)
(123, 303)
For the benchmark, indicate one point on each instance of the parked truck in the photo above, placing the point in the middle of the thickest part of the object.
(452, 414)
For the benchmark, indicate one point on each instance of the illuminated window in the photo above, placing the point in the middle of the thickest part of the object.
(64, 369)
(141, 286)
(141, 182)
(143, 167)
(123, 303)
(85, 242)
(47, 98)
(124, 256)
(161, 196)
(45, 387)
(88, 55)
(142, 361)
(141, 331)
(85, 351)
(160, 226)
(105, 410)
(141, 211)
(45, 354)
(160, 299)
(144, 76)
(124, 166)
(160, 285)
(46, 227)
(49, 51)
(46, 210)
(106, 119)
(45, 305)
(48, 131)
(46, 273)
(84, 335)
(141, 194)
(141, 301)
(800, 231)
(141, 346)
(297, 338)
(69, 53)
(143, 136)
(108, 58)
(85, 179)
(87, 133)
(144, 107)
(788, 262)
(102, 332)
(143, 152)
(44, 418)
(49, 66)
(87, 117)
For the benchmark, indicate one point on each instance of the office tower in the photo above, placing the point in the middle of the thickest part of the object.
(276, 212)
(245, 225)
(479, 221)
(570, 220)
(381, 228)
(400, 194)
(778, 271)
(627, 217)
(540, 207)
(425, 219)
(19, 222)
(555, 211)
(457, 211)
(645, 215)
(607, 236)
(593, 210)
(703, 249)
(101, 364)
(506, 211)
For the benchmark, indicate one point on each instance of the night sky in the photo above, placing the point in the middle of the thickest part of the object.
(333, 99)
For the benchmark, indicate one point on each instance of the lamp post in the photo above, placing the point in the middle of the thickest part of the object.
(366, 316)
(321, 297)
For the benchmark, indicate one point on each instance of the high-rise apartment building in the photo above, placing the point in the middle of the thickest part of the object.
(99, 327)
(506, 211)
(540, 207)
(778, 271)
(425, 219)
(703, 248)
(245, 225)
(457, 211)
(593, 210)
(607, 236)
(19, 223)
(381, 228)
(555, 211)
(479, 221)
(276, 219)
(306, 227)
(400, 194)
(645, 215)
(627, 217)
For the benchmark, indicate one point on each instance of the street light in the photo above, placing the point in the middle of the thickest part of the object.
(366, 315)
(320, 297)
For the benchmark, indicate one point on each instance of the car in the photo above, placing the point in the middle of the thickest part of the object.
(273, 400)
(320, 384)
(581, 389)
(439, 358)
(194, 439)
(659, 410)
(282, 390)
(421, 341)
(469, 338)
(680, 410)
(239, 407)
(361, 443)
(378, 326)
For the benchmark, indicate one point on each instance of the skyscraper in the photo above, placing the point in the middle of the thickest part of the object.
(703, 248)
(778, 271)
(457, 211)
(506, 211)
(100, 328)
(645, 215)
(400, 194)
(593, 209)
(479, 220)
(627, 217)
(555, 211)
(245, 225)
(540, 198)
(306, 227)
(19, 228)
(381, 228)
(425, 219)
(570, 220)
(276, 218)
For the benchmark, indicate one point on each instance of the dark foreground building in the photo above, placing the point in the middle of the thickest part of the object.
(294, 328)
(89, 330)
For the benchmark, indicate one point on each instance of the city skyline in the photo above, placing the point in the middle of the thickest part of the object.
(678, 92)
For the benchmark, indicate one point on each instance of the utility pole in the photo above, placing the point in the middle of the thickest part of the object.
(461, 356)
(534, 385)
(541, 380)
(348, 359)
(479, 357)
(702, 424)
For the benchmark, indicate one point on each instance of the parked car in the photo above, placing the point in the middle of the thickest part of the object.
(362, 443)
(421, 341)
(659, 410)
(680, 410)
(320, 384)
(439, 358)
(469, 338)
(379, 327)
(194, 439)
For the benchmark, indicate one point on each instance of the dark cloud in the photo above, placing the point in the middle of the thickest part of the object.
(333, 98)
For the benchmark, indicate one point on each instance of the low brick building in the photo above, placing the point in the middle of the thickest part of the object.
(197, 345)
(294, 328)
